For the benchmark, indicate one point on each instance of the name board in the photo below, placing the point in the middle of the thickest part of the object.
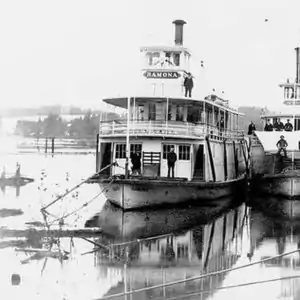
(162, 75)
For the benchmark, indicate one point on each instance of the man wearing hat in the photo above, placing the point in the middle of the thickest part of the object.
(288, 126)
(281, 145)
(188, 85)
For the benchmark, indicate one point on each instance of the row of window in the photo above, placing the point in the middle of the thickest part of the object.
(192, 115)
(184, 151)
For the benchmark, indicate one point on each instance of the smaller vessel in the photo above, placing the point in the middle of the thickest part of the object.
(275, 151)
(16, 180)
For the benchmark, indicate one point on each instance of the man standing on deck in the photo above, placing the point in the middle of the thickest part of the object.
(188, 85)
(172, 158)
(136, 163)
(269, 126)
(251, 128)
(281, 145)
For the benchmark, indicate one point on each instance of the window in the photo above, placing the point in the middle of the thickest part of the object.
(140, 113)
(184, 152)
(176, 59)
(166, 150)
(152, 112)
(120, 150)
(136, 147)
(170, 112)
(179, 113)
(153, 58)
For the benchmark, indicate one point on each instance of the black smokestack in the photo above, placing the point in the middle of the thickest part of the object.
(297, 64)
(179, 32)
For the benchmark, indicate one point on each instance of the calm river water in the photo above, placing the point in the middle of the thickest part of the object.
(157, 246)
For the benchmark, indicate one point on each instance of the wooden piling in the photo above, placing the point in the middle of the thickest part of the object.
(46, 145)
(97, 152)
(225, 161)
(236, 166)
(212, 165)
(245, 157)
(52, 146)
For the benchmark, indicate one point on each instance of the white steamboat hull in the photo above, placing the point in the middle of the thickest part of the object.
(138, 193)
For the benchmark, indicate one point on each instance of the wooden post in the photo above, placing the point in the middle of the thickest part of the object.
(209, 244)
(52, 149)
(235, 160)
(225, 161)
(46, 145)
(224, 232)
(127, 139)
(97, 152)
(211, 160)
(245, 158)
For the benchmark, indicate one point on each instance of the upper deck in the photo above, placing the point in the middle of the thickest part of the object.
(173, 117)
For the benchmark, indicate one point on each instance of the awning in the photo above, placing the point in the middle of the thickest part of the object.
(269, 139)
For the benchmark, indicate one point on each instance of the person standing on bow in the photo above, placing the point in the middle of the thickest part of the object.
(188, 85)
(281, 145)
(251, 128)
(136, 163)
(171, 158)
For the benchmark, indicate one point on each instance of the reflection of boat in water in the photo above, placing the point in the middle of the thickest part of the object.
(271, 236)
(170, 245)
(127, 225)
(277, 207)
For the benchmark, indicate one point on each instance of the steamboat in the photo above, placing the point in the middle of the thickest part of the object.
(206, 135)
(275, 173)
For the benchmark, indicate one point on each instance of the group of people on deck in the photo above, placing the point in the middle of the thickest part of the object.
(136, 162)
(278, 126)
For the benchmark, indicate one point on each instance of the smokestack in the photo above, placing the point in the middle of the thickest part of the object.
(297, 64)
(179, 32)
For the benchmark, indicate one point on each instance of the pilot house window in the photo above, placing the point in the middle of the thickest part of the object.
(184, 152)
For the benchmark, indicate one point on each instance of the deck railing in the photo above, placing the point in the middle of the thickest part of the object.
(166, 128)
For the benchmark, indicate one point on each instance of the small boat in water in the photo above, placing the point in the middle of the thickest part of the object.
(205, 134)
(275, 152)
(15, 181)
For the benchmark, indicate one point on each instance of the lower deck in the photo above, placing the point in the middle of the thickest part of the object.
(203, 160)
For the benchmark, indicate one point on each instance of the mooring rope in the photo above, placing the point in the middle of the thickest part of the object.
(232, 286)
(82, 206)
(77, 186)
(197, 277)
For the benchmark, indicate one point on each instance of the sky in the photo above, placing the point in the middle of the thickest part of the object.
(77, 52)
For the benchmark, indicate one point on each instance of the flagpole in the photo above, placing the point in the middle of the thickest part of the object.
(127, 139)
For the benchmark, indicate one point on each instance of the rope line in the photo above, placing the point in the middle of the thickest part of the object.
(82, 206)
(77, 186)
(232, 286)
(142, 240)
(197, 277)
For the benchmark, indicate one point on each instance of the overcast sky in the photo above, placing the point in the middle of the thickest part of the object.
(76, 52)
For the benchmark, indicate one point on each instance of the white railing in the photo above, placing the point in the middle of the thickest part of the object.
(164, 128)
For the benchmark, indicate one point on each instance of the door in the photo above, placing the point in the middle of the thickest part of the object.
(199, 162)
(184, 155)
(164, 162)
(105, 156)
(120, 158)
